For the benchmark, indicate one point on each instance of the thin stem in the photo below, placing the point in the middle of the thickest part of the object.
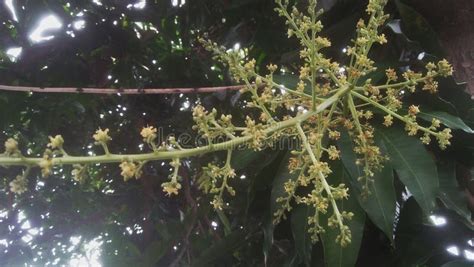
(106, 149)
(227, 133)
(400, 84)
(388, 111)
(355, 116)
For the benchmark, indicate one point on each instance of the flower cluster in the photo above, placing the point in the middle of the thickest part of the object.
(46, 163)
(102, 136)
(79, 173)
(254, 130)
(56, 142)
(19, 185)
(129, 170)
(149, 134)
(173, 186)
(210, 126)
(11, 147)
(215, 181)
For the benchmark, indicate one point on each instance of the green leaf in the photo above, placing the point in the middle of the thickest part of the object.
(414, 165)
(242, 158)
(411, 245)
(381, 203)
(299, 228)
(223, 248)
(418, 28)
(278, 190)
(447, 119)
(278, 187)
(449, 191)
(334, 254)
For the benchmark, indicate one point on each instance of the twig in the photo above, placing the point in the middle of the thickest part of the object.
(124, 91)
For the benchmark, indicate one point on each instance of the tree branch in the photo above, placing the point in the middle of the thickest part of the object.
(125, 91)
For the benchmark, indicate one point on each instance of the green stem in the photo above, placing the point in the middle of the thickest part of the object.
(229, 157)
(106, 149)
(400, 84)
(218, 126)
(388, 111)
(170, 154)
(355, 116)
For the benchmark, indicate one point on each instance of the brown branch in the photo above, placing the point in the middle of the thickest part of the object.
(125, 91)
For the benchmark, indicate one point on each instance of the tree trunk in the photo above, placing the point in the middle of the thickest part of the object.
(454, 22)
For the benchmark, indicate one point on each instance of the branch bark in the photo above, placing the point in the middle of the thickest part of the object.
(125, 91)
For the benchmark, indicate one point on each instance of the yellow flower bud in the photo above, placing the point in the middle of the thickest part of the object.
(148, 134)
(11, 146)
(102, 136)
(56, 142)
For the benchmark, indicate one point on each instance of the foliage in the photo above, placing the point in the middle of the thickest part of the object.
(345, 112)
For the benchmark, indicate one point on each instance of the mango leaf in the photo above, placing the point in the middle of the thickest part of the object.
(449, 191)
(242, 158)
(223, 248)
(447, 119)
(416, 27)
(334, 254)
(380, 204)
(278, 190)
(414, 165)
(299, 228)
(409, 245)
(278, 187)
